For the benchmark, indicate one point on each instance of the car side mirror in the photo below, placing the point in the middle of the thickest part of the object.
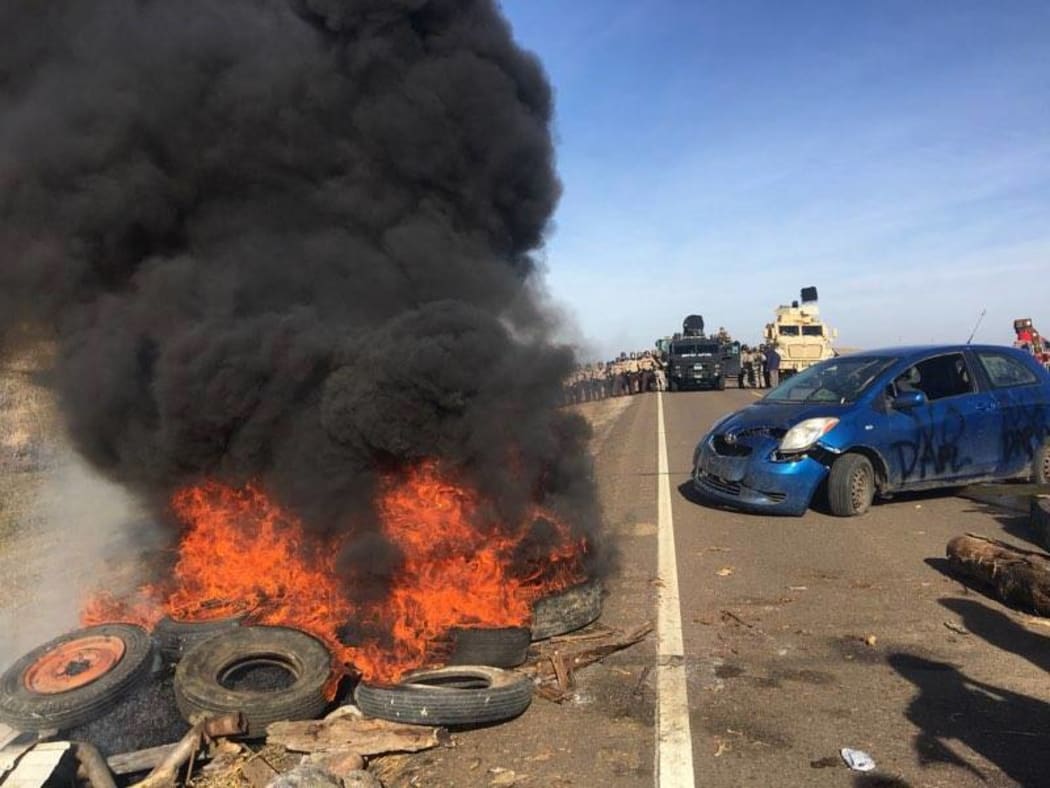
(909, 400)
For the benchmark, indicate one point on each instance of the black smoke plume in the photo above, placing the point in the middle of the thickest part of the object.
(289, 240)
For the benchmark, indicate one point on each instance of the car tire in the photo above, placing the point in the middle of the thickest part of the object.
(201, 676)
(453, 696)
(672, 385)
(1041, 463)
(42, 690)
(175, 637)
(721, 384)
(566, 611)
(497, 647)
(851, 485)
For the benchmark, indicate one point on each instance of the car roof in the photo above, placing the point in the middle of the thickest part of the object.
(912, 351)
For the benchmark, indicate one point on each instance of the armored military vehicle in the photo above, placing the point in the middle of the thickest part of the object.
(799, 335)
(695, 360)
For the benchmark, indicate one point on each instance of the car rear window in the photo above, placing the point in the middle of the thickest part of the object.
(1004, 371)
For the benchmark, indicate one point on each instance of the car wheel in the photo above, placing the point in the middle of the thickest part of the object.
(851, 485)
(673, 385)
(721, 385)
(75, 678)
(1041, 464)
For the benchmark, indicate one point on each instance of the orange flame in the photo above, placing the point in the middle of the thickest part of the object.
(242, 553)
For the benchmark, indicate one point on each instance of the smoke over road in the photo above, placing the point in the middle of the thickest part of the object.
(289, 241)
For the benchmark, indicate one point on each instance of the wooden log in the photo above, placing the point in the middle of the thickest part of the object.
(140, 760)
(363, 736)
(185, 750)
(1019, 577)
(92, 767)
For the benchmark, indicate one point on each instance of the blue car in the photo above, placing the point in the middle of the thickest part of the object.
(879, 422)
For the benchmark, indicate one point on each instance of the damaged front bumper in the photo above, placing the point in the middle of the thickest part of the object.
(750, 475)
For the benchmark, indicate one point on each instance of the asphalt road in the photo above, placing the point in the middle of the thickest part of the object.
(801, 636)
(806, 635)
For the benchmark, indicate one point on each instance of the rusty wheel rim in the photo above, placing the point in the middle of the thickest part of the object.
(859, 489)
(74, 664)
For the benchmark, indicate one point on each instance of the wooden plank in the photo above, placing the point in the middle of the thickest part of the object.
(143, 760)
(363, 736)
(41, 764)
(15, 749)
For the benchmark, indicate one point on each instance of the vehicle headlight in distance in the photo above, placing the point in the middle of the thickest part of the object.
(806, 433)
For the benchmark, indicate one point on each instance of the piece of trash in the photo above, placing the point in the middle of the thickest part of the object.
(956, 628)
(871, 640)
(857, 760)
(725, 571)
(918, 506)
(797, 588)
(722, 747)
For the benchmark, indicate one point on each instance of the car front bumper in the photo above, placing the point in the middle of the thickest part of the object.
(756, 482)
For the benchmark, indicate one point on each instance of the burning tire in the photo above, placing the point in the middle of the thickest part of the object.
(174, 638)
(222, 674)
(568, 611)
(454, 696)
(74, 678)
(504, 647)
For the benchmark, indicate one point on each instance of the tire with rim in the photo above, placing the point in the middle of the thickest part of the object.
(497, 647)
(851, 485)
(203, 678)
(1041, 463)
(175, 637)
(75, 678)
(452, 696)
(566, 611)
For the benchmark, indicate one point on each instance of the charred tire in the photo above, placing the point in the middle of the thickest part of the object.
(454, 696)
(568, 611)
(1041, 463)
(26, 704)
(174, 638)
(1040, 519)
(201, 676)
(851, 485)
(505, 647)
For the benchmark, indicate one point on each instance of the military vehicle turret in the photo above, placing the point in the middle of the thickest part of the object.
(799, 335)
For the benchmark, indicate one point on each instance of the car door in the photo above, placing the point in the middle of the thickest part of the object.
(953, 435)
(1023, 414)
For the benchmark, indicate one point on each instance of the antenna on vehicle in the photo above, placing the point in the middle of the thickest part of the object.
(979, 319)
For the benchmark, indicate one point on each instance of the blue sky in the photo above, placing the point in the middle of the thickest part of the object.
(717, 157)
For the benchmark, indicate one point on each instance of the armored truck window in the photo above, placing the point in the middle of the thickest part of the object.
(789, 331)
(813, 331)
(1004, 371)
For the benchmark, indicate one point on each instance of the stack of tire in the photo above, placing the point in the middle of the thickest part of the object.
(81, 676)
(476, 688)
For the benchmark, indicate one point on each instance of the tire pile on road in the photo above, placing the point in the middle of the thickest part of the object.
(268, 674)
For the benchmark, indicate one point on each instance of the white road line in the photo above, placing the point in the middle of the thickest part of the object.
(674, 741)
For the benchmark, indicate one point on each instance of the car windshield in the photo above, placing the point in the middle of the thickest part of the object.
(839, 380)
(813, 331)
(694, 349)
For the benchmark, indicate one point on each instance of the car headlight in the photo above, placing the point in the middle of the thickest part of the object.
(806, 433)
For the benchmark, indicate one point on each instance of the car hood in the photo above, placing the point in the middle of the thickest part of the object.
(778, 416)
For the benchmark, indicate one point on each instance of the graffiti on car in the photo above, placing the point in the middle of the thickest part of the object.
(935, 449)
(1024, 428)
